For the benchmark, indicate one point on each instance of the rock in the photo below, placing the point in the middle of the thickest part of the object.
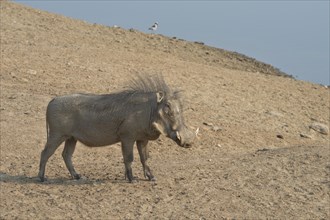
(321, 128)
(213, 127)
(305, 136)
(216, 128)
(13, 75)
(207, 124)
(274, 113)
(262, 150)
(199, 42)
(32, 72)
(280, 136)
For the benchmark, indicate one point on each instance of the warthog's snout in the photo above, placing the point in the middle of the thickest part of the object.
(184, 137)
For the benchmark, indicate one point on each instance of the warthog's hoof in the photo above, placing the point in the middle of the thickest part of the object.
(76, 176)
(133, 180)
(42, 179)
(152, 179)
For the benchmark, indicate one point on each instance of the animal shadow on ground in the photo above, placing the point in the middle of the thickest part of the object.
(23, 179)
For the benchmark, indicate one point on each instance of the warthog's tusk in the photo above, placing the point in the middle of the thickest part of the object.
(196, 132)
(178, 135)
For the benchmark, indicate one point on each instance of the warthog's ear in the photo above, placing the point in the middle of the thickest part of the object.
(160, 96)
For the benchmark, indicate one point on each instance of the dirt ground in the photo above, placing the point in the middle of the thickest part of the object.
(257, 156)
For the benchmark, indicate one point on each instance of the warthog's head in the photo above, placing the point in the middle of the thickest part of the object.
(170, 120)
(167, 116)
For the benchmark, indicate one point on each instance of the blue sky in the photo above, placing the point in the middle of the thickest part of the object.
(290, 35)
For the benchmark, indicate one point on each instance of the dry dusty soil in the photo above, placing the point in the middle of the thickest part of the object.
(262, 153)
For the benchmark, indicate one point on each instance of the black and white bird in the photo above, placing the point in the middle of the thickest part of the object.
(154, 27)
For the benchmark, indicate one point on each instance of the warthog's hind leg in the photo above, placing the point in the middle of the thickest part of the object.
(144, 155)
(53, 142)
(69, 147)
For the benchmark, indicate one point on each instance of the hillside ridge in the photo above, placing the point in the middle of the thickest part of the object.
(134, 40)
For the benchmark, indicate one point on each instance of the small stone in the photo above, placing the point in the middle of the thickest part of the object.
(263, 150)
(13, 75)
(32, 72)
(305, 136)
(274, 113)
(207, 123)
(219, 145)
(199, 42)
(280, 136)
(216, 128)
(321, 128)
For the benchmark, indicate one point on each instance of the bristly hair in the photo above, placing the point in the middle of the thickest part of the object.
(153, 83)
(138, 85)
(149, 83)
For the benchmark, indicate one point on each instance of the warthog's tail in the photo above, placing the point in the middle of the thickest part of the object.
(47, 118)
(47, 129)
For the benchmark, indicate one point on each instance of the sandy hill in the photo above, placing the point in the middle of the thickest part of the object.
(263, 148)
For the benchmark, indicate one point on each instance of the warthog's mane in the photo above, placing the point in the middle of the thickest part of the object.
(135, 90)
(152, 84)
(148, 83)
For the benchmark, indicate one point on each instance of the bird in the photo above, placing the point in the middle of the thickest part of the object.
(154, 27)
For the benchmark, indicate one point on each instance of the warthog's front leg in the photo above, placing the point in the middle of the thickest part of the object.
(69, 147)
(127, 150)
(144, 155)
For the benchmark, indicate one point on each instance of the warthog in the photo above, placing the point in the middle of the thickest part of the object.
(138, 114)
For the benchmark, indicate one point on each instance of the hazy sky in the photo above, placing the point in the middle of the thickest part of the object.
(290, 35)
